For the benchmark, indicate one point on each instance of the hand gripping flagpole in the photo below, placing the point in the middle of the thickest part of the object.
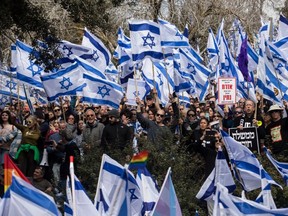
(73, 185)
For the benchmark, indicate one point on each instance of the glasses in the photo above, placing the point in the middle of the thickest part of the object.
(160, 115)
(29, 122)
(216, 116)
(90, 115)
(65, 107)
(56, 110)
(237, 112)
(191, 115)
(96, 107)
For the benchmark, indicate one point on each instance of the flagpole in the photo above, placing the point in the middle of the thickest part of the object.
(98, 184)
(153, 73)
(135, 79)
(166, 75)
(62, 109)
(73, 185)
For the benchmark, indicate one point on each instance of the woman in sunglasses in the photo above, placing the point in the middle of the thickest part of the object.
(7, 134)
(28, 153)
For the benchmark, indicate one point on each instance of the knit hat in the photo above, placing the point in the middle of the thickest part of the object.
(114, 112)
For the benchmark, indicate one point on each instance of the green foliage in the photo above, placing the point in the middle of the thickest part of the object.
(187, 173)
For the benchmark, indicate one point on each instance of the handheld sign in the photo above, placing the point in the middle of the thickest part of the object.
(247, 136)
(226, 91)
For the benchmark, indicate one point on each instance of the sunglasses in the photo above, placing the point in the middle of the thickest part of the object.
(65, 107)
(56, 110)
(29, 122)
(216, 116)
(160, 115)
(238, 112)
(90, 115)
(191, 115)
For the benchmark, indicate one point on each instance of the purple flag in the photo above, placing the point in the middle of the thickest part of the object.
(243, 61)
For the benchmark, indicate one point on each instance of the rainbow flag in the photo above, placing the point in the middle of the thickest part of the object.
(139, 160)
(9, 168)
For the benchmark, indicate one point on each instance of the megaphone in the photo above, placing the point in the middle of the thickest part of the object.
(44, 161)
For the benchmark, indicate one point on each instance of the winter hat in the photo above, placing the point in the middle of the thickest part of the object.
(114, 112)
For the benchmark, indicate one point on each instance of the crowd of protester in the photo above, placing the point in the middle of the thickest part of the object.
(71, 128)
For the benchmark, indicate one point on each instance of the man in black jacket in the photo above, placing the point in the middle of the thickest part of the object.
(116, 135)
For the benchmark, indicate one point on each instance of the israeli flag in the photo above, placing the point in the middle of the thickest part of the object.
(8, 86)
(222, 174)
(84, 205)
(27, 71)
(145, 40)
(136, 88)
(283, 27)
(162, 79)
(149, 190)
(100, 50)
(23, 199)
(68, 81)
(227, 204)
(265, 197)
(281, 167)
(245, 164)
(117, 192)
(283, 46)
(101, 91)
(192, 69)
(89, 68)
(171, 36)
(213, 55)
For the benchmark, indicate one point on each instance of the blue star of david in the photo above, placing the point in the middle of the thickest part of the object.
(179, 34)
(145, 38)
(95, 56)
(278, 68)
(65, 83)
(106, 91)
(4, 100)
(34, 68)
(136, 94)
(11, 85)
(69, 50)
(133, 196)
(159, 76)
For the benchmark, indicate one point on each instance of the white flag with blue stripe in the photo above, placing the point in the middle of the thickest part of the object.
(117, 192)
(145, 40)
(192, 69)
(102, 91)
(283, 46)
(136, 88)
(149, 190)
(222, 174)
(163, 77)
(227, 204)
(84, 205)
(245, 164)
(8, 85)
(101, 53)
(213, 55)
(23, 199)
(27, 71)
(283, 27)
(68, 81)
(280, 166)
(171, 36)
(265, 197)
